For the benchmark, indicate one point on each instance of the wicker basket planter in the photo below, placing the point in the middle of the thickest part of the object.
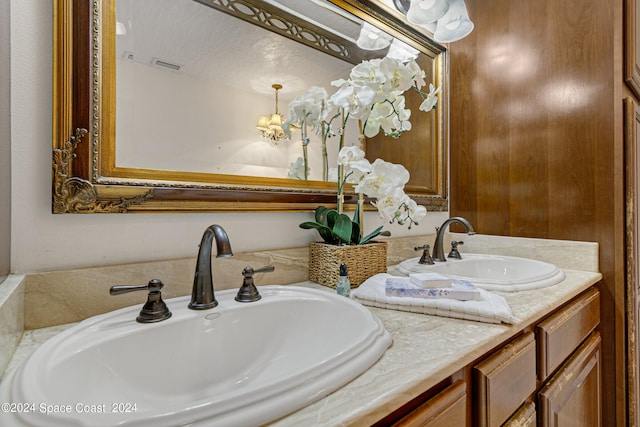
(363, 261)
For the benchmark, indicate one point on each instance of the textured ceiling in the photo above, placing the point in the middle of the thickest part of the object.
(212, 45)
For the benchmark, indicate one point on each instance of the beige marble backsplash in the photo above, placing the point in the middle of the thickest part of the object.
(11, 317)
(60, 297)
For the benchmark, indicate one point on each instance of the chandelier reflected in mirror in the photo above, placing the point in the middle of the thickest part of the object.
(270, 126)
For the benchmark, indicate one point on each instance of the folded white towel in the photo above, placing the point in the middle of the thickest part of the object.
(491, 309)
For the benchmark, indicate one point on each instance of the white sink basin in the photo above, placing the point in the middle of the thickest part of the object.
(492, 272)
(237, 364)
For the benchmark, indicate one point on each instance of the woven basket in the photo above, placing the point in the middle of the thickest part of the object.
(363, 261)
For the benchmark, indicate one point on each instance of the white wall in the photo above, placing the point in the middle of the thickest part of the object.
(5, 143)
(171, 120)
(42, 241)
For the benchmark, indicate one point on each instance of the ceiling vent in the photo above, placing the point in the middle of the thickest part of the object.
(157, 62)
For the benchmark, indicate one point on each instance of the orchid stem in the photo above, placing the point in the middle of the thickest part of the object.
(325, 163)
(361, 140)
(340, 199)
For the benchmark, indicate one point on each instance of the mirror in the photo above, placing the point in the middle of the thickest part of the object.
(139, 124)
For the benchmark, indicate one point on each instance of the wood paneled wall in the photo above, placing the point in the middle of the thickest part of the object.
(536, 137)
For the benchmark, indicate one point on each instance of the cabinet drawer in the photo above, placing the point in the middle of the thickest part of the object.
(504, 380)
(446, 409)
(560, 334)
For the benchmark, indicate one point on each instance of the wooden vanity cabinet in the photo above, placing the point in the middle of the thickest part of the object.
(547, 375)
(504, 380)
(562, 332)
(572, 397)
(524, 417)
(446, 409)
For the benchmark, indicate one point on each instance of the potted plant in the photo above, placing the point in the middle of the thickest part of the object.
(373, 95)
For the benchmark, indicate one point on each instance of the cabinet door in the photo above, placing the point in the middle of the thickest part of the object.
(524, 417)
(572, 397)
(446, 409)
(632, 303)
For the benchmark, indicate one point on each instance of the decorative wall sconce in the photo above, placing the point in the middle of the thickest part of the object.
(270, 126)
(447, 19)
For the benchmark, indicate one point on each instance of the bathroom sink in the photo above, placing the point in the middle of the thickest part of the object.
(492, 272)
(237, 364)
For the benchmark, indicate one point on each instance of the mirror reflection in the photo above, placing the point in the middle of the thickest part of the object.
(199, 90)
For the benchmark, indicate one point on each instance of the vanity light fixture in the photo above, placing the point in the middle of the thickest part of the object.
(372, 38)
(270, 126)
(401, 51)
(455, 24)
(448, 20)
(423, 12)
(121, 29)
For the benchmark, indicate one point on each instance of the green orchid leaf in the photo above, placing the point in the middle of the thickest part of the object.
(321, 214)
(325, 232)
(375, 233)
(356, 214)
(332, 214)
(355, 233)
(342, 227)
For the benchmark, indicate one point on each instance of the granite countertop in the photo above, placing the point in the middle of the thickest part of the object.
(426, 349)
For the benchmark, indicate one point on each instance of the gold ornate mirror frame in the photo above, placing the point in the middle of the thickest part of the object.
(86, 178)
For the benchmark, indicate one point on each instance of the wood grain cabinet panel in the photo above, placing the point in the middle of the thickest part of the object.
(525, 417)
(446, 409)
(504, 380)
(560, 334)
(573, 396)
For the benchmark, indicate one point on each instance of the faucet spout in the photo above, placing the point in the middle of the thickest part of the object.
(202, 296)
(438, 245)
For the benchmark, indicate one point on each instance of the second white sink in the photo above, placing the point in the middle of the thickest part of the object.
(492, 272)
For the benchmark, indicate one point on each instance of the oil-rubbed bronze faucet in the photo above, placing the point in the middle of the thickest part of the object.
(155, 309)
(248, 292)
(202, 296)
(438, 245)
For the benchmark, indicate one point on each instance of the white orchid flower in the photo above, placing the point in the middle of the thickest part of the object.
(416, 212)
(430, 101)
(359, 169)
(399, 77)
(389, 206)
(350, 154)
(356, 100)
(383, 179)
(310, 108)
(379, 114)
(368, 73)
(296, 169)
(417, 73)
(399, 121)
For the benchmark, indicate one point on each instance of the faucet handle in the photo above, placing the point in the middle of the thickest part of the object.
(154, 310)
(454, 250)
(265, 269)
(153, 285)
(425, 258)
(248, 291)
